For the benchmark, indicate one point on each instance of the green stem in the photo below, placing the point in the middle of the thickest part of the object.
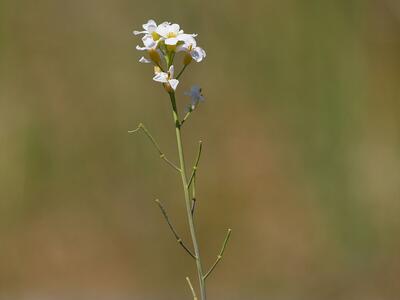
(188, 200)
(181, 72)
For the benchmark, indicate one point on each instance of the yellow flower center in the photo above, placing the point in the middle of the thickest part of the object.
(171, 35)
(155, 36)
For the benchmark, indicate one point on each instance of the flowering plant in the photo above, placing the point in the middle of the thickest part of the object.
(161, 44)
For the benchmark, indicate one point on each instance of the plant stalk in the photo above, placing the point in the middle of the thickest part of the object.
(188, 200)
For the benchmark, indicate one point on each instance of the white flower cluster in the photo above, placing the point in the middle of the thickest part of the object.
(162, 42)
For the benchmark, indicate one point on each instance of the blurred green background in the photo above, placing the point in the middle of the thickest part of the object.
(301, 133)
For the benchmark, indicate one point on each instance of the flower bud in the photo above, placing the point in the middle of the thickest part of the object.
(157, 69)
(155, 56)
(187, 59)
(171, 48)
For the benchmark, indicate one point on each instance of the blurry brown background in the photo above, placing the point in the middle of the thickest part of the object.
(301, 158)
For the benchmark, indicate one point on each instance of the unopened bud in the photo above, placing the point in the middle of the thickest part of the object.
(157, 69)
(171, 48)
(187, 59)
(155, 56)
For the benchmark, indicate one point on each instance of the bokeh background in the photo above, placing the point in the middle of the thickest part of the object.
(301, 157)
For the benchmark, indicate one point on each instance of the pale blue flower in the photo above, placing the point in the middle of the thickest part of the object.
(195, 95)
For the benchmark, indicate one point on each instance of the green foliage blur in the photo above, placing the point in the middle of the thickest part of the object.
(301, 157)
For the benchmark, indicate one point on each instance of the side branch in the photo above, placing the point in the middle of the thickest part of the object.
(155, 144)
(193, 195)
(178, 239)
(191, 288)
(196, 164)
(221, 253)
(187, 115)
(181, 72)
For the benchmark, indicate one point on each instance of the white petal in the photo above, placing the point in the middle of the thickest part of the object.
(146, 37)
(161, 77)
(171, 41)
(173, 83)
(198, 54)
(149, 42)
(150, 23)
(171, 71)
(187, 38)
(163, 29)
(152, 28)
(135, 32)
(144, 60)
(141, 48)
(174, 28)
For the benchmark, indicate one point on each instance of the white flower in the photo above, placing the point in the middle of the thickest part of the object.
(195, 97)
(150, 45)
(172, 33)
(149, 28)
(150, 38)
(167, 77)
(159, 41)
(154, 54)
(190, 47)
(148, 42)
